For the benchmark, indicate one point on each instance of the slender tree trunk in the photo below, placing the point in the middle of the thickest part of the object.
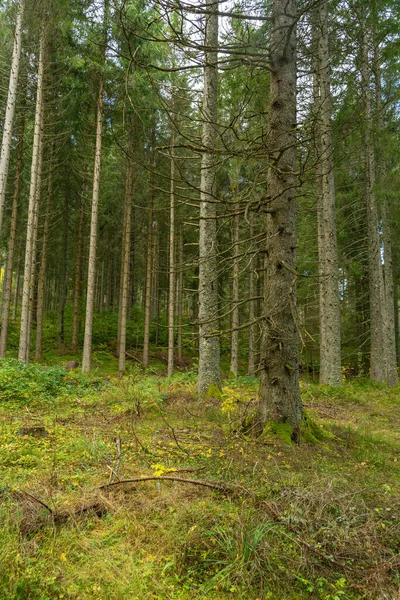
(180, 298)
(33, 290)
(34, 192)
(279, 386)
(10, 109)
(171, 296)
(64, 268)
(11, 242)
(235, 298)
(375, 272)
(209, 347)
(155, 286)
(149, 274)
(78, 273)
(43, 265)
(392, 377)
(329, 303)
(91, 282)
(126, 251)
(16, 291)
(122, 265)
(251, 368)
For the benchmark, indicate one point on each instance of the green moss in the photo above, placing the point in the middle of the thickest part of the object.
(283, 431)
(311, 432)
(214, 391)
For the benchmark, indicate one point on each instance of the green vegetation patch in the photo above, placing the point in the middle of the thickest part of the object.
(25, 383)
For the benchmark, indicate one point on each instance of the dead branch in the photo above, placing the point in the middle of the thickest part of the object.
(213, 486)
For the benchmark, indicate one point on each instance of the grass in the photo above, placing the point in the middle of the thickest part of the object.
(316, 521)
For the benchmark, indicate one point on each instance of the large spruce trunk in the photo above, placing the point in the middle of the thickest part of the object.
(279, 386)
(329, 305)
(209, 347)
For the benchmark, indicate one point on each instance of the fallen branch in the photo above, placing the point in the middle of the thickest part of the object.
(17, 493)
(213, 486)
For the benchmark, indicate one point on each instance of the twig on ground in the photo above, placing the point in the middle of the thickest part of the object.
(213, 486)
(21, 493)
(174, 435)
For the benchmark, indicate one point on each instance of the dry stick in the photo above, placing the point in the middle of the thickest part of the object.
(213, 486)
(21, 493)
(114, 471)
(58, 517)
(188, 470)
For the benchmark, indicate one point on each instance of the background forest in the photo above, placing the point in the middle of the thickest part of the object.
(199, 216)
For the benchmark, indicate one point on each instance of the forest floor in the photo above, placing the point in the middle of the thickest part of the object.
(318, 520)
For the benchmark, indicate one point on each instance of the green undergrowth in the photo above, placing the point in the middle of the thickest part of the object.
(30, 383)
(314, 521)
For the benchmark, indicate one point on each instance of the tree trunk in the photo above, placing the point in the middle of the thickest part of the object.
(375, 271)
(389, 333)
(149, 274)
(126, 251)
(10, 109)
(235, 298)
(16, 291)
(251, 367)
(209, 347)
(392, 378)
(91, 281)
(11, 242)
(34, 192)
(78, 273)
(180, 298)
(279, 386)
(43, 265)
(329, 302)
(64, 268)
(171, 295)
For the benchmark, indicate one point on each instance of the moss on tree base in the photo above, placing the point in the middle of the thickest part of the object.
(310, 432)
(214, 391)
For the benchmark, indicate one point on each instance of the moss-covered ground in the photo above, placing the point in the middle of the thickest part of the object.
(319, 520)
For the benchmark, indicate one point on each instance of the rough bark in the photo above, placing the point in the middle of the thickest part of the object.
(279, 374)
(10, 109)
(34, 191)
(329, 302)
(375, 271)
(392, 378)
(209, 347)
(389, 332)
